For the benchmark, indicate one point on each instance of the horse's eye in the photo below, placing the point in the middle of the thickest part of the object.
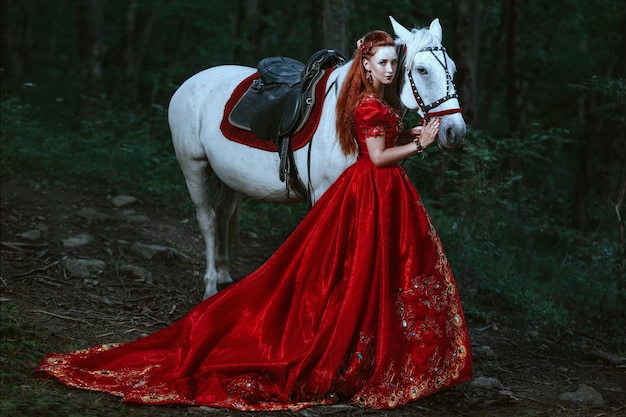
(422, 70)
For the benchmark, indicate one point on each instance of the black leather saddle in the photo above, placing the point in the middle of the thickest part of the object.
(279, 102)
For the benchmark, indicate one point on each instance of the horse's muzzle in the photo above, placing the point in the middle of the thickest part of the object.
(451, 136)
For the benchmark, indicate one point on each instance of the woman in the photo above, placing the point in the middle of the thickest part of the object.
(359, 304)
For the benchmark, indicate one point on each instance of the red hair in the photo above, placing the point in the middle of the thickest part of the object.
(355, 86)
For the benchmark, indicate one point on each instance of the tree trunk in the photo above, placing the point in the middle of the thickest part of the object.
(250, 31)
(619, 70)
(512, 72)
(330, 23)
(90, 20)
(497, 44)
(136, 34)
(581, 189)
(467, 40)
(174, 56)
(17, 18)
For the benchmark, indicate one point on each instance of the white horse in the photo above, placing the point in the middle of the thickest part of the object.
(196, 110)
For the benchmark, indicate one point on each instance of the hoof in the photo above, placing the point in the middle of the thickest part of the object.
(210, 286)
(224, 278)
(208, 292)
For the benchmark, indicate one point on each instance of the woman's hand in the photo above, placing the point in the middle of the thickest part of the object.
(381, 156)
(427, 134)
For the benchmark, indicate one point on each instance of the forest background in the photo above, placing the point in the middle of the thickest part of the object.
(531, 209)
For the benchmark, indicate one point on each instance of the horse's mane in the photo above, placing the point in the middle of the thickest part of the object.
(422, 38)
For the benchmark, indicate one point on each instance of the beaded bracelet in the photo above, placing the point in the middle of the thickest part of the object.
(420, 148)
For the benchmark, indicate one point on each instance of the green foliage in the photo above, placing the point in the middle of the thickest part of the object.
(502, 217)
(117, 152)
(614, 89)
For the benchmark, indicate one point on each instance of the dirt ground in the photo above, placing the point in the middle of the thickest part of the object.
(519, 372)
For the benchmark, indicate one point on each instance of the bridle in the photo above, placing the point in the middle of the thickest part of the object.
(426, 108)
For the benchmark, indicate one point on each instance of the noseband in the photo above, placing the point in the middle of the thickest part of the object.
(426, 108)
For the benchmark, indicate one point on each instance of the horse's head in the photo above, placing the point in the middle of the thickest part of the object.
(425, 82)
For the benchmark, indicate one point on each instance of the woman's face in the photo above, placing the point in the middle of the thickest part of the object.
(382, 64)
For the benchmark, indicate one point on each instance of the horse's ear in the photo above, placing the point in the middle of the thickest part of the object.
(401, 32)
(435, 29)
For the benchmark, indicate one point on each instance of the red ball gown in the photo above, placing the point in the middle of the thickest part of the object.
(358, 306)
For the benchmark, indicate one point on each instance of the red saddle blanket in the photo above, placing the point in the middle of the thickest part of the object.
(248, 138)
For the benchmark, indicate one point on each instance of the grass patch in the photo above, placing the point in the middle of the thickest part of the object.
(25, 396)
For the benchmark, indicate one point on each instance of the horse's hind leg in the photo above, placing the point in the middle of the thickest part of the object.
(227, 204)
(197, 173)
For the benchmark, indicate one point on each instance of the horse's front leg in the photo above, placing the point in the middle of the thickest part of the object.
(227, 204)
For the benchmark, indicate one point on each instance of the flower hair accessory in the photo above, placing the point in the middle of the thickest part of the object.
(364, 47)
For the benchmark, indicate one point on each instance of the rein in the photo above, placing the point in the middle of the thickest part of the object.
(309, 197)
(426, 108)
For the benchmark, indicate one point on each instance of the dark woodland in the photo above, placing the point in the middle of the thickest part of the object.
(531, 209)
